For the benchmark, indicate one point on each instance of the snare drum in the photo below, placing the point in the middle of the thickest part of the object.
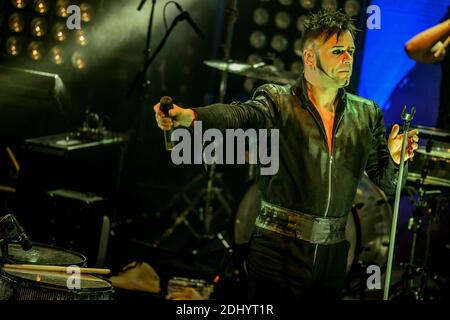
(45, 285)
(432, 167)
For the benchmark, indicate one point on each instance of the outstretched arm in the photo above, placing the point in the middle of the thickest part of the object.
(260, 112)
(429, 46)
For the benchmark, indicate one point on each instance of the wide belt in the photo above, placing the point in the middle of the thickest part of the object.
(292, 223)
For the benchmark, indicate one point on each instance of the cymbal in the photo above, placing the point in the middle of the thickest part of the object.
(259, 71)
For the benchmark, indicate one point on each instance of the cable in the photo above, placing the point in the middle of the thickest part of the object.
(164, 11)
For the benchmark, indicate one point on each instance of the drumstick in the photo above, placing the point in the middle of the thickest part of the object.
(442, 48)
(54, 268)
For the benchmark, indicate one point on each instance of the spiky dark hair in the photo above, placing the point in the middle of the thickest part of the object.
(325, 24)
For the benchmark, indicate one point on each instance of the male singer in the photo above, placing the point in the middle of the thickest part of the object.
(328, 138)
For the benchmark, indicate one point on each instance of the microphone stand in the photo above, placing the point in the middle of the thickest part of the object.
(233, 14)
(149, 32)
(407, 117)
(148, 62)
(141, 78)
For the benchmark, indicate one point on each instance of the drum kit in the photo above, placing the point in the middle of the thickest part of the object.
(427, 272)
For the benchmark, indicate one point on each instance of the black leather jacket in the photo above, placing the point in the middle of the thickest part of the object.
(310, 180)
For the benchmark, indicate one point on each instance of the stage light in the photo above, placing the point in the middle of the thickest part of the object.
(38, 27)
(86, 12)
(351, 8)
(61, 8)
(254, 58)
(301, 23)
(297, 67)
(79, 60)
(56, 55)
(286, 2)
(330, 5)
(279, 43)
(308, 4)
(16, 22)
(260, 16)
(19, 4)
(81, 37)
(278, 63)
(257, 39)
(13, 46)
(282, 20)
(59, 32)
(41, 6)
(35, 50)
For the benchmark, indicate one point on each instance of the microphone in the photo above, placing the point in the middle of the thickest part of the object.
(185, 15)
(10, 229)
(22, 238)
(165, 104)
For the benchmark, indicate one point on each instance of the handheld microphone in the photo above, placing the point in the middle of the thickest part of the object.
(165, 104)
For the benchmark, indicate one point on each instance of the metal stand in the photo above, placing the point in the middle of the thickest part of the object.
(407, 120)
(204, 214)
(212, 192)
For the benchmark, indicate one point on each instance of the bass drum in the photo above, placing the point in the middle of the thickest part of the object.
(368, 225)
(368, 229)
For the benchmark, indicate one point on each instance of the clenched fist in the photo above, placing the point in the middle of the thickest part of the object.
(177, 117)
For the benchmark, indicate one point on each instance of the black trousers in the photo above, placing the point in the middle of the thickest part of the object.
(282, 268)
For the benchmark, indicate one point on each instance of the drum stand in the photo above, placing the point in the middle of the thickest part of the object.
(412, 270)
(205, 213)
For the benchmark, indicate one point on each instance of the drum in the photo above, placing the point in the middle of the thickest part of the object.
(368, 225)
(45, 285)
(45, 255)
(431, 164)
(246, 215)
